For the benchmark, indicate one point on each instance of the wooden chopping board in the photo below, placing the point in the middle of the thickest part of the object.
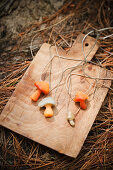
(24, 117)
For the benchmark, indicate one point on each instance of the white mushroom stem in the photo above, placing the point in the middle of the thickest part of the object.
(71, 118)
(48, 111)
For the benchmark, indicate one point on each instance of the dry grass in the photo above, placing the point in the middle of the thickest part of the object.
(62, 27)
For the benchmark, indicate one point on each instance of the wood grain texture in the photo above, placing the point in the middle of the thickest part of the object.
(24, 117)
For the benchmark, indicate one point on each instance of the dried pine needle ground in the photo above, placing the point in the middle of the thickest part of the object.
(62, 27)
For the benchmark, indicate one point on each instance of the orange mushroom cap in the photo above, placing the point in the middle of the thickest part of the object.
(43, 86)
(80, 96)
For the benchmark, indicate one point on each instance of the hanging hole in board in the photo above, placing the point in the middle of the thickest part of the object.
(86, 44)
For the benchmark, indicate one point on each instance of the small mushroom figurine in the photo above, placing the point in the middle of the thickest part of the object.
(81, 97)
(47, 102)
(42, 87)
(71, 118)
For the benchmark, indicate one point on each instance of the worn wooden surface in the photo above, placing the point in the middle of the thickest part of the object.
(24, 117)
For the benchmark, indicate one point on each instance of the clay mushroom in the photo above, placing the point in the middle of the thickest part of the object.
(81, 97)
(47, 102)
(42, 87)
(71, 118)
